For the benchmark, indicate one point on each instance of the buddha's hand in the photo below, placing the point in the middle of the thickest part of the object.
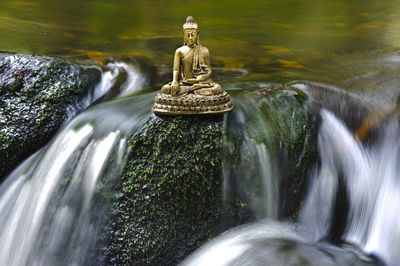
(174, 87)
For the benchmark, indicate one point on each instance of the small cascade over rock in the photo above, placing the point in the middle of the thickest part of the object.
(37, 95)
(348, 218)
(54, 206)
(270, 145)
(40, 94)
(368, 178)
(190, 178)
(119, 185)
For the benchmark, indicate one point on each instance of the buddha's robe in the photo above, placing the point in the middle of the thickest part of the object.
(195, 63)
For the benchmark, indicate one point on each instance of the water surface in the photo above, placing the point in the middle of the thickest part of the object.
(277, 40)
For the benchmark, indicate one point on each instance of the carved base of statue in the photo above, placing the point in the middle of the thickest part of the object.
(191, 104)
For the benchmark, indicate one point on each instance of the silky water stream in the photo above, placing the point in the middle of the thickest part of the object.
(54, 213)
(364, 177)
(53, 205)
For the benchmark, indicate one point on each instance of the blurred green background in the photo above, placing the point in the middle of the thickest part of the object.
(310, 39)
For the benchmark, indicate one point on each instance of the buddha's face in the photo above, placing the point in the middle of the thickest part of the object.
(190, 36)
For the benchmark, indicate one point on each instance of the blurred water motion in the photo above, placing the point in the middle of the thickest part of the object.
(346, 56)
(369, 176)
(365, 177)
(53, 206)
(271, 243)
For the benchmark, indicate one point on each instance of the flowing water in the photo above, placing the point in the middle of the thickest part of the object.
(53, 206)
(368, 175)
(53, 213)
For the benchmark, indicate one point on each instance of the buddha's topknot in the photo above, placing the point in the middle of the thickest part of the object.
(190, 23)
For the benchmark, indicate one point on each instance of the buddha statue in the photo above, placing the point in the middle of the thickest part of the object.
(192, 70)
(192, 91)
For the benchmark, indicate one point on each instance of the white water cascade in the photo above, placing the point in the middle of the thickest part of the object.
(28, 199)
(54, 206)
(372, 179)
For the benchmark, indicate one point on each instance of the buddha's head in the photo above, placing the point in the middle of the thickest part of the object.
(190, 32)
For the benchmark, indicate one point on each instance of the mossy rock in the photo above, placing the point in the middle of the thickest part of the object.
(279, 125)
(171, 198)
(171, 192)
(37, 95)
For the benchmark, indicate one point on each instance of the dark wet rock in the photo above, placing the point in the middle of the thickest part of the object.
(171, 197)
(37, 95)
(171, 192)
(271, 140)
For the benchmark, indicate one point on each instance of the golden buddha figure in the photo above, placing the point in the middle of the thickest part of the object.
(192, 70)
(192, 91)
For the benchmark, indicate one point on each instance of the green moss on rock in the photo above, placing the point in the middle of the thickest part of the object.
(171, 198)
(282, 123)
(37, 94)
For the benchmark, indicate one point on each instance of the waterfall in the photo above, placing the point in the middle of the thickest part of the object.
(371, 177)
(366, 178)
(267, 149)
(54, 205)
(254, 176)
(29, 204)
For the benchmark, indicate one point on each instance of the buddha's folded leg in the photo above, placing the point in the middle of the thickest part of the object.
(214, 90)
